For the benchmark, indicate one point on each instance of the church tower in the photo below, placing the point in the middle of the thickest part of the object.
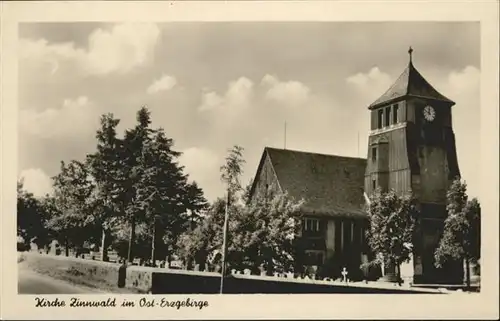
(412, 147)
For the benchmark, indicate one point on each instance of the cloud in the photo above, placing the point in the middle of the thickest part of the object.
(121, 49)
(371, 84)
(36, 181)
(75, 118)
(289, 93)
(166, 82)
(465, 80)
(463, 87)
(238, 96)
(202, 165)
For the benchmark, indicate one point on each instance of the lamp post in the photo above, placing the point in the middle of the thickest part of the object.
(224, 244)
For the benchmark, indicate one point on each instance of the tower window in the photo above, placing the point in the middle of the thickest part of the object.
(387, 116)
(374, 184)
(380, 117)
(395, 114)
(374, 153)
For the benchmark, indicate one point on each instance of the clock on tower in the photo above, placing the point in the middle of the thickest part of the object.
(412, 148)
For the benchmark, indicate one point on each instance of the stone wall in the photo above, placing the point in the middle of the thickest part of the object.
(163, 281)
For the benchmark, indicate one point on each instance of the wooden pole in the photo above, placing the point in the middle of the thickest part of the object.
(224, 244)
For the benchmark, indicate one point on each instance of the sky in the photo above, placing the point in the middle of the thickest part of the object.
(212, 85)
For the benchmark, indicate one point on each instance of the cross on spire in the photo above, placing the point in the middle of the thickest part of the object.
(410, 51)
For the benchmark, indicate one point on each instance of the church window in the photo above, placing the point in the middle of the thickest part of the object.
(395, 114)
(387, 116)
(374, 153)
(380, 117)
(374, 184)
(311, 225)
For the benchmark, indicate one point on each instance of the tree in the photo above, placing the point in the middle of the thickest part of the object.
(31, 217)
(230, 174)
(105, 166)
(264, 232)
(232, 170)
(73, 190)
(461, 239)
(198, 243)
(392, 223)
(165, 193)
(246, 192)
(132, 173)
(195, 203)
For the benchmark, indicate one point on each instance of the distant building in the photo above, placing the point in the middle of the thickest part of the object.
(411, 148)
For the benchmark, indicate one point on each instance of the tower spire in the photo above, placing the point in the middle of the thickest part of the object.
(410, 52)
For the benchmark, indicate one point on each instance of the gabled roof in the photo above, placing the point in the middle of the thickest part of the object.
(410, 84)
(330, 185)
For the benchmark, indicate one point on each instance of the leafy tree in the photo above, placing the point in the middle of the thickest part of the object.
(461, 239)
(232, 170)
(73, 189)
(246, 192)
(264, 232)
(230, 174)
(392, 224)
(197, 244)
(31, 217)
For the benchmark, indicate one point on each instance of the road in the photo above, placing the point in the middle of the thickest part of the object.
(30, 282)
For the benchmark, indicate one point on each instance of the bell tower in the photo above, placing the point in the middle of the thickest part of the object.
(412, 148)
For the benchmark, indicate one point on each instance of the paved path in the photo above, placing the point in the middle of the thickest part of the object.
(30, 282)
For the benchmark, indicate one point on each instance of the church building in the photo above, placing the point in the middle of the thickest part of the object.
(411, 147)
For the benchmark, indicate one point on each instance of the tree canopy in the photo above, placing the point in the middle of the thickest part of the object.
(392, 223)
(461, 239)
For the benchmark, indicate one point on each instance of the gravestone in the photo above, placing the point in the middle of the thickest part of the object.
(247, 271)
(344, 274)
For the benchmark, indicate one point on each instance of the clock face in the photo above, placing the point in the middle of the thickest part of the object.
(429, 113)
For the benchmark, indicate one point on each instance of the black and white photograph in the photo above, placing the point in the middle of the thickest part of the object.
(248, 157)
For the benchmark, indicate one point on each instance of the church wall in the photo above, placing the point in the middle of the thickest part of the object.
(433, 162)
(267, 179)
(391, 168)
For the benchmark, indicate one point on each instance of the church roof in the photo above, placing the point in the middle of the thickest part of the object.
(410, 84)
(329, 185)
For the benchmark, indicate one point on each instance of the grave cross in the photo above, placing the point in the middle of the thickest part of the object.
(344, 274)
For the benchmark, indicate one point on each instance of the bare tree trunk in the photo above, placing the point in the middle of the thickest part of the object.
(66, 246)
(153, 243)
(104, 246)
(467, 272)
(131, 240)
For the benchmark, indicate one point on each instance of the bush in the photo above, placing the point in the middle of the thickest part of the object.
(22, 247)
